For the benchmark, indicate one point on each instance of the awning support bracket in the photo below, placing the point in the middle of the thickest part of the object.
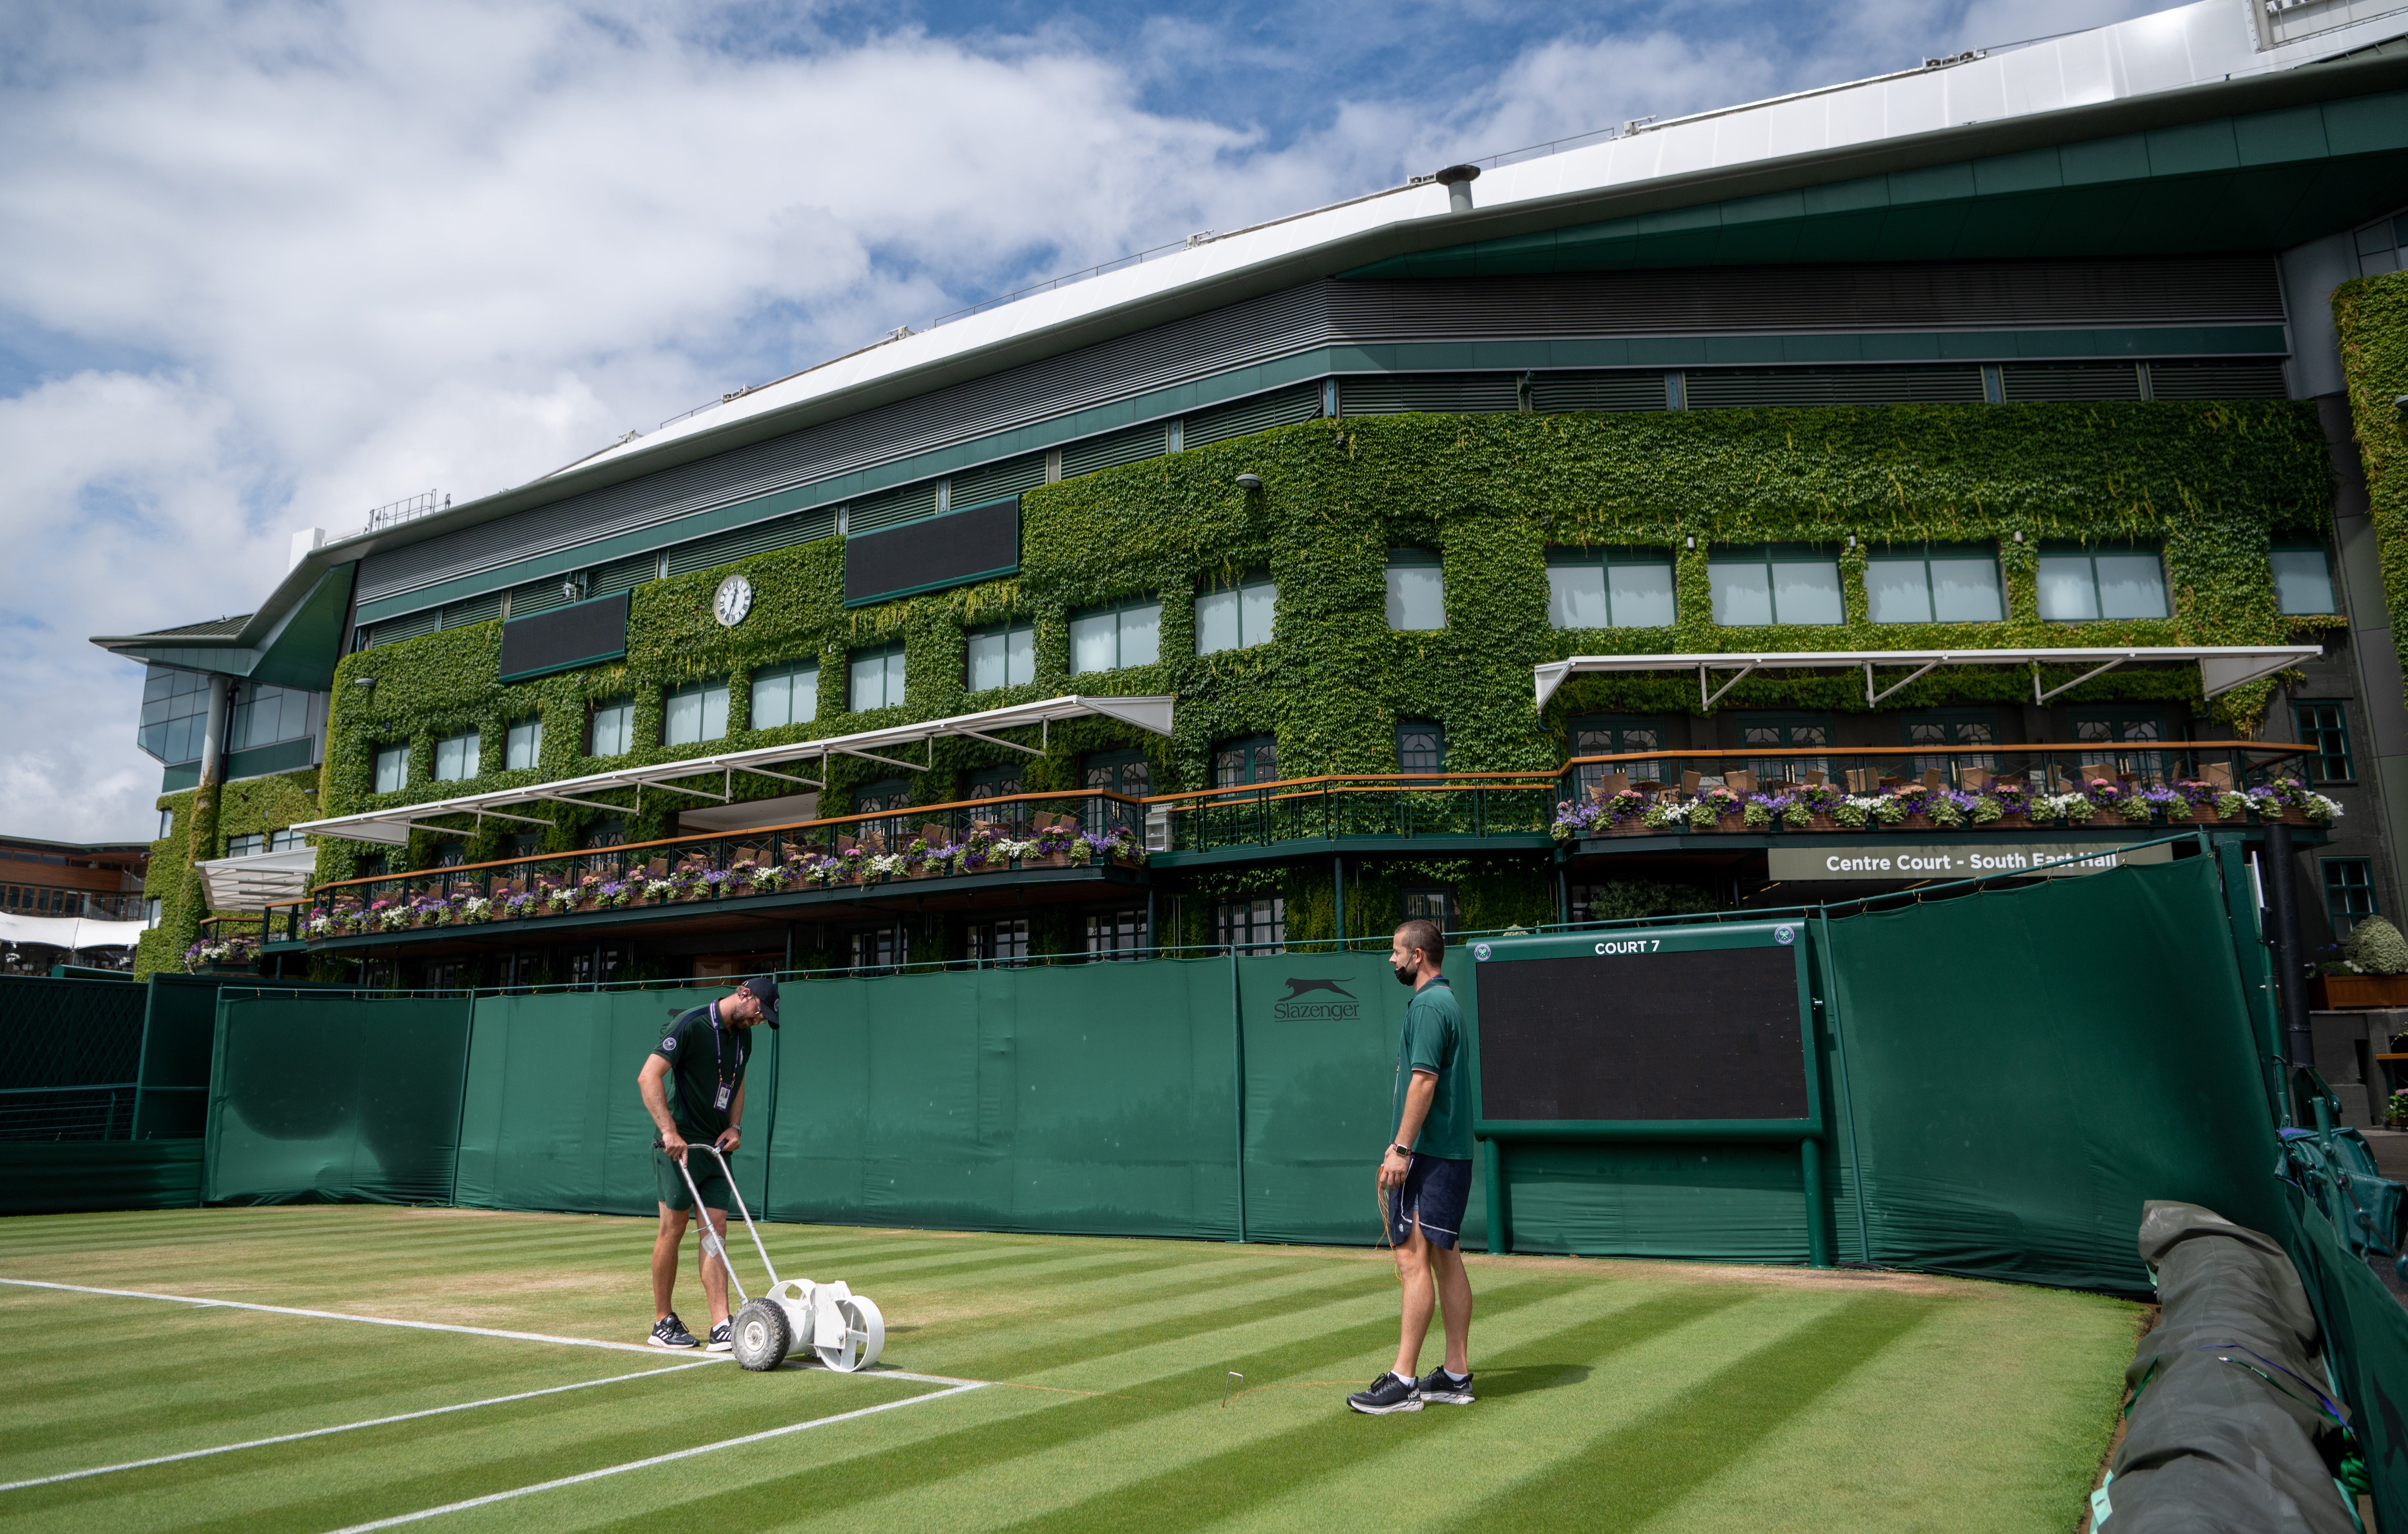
(2040, 697)
(1707, 703)
(995, 741)
(1873, 699)
(873, 757)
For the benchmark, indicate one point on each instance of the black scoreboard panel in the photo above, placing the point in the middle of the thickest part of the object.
(558, 639)
(1706, 1033)
(975, 543)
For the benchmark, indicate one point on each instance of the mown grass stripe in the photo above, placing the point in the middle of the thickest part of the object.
(336, 1315)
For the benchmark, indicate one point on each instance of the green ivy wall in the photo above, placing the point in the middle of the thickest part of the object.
(2371, 317)
(2215, 481)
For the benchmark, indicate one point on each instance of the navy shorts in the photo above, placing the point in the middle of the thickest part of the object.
(1435, 1189)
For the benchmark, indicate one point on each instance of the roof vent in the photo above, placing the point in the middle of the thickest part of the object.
(1201, 236)
(1457, 180)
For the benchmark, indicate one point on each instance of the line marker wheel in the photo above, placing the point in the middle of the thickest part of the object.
(846, 1329)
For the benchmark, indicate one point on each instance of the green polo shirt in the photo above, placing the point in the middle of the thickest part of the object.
(701, 1055)
(1433, 1041)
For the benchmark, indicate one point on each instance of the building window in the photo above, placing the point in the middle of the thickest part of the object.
(1952, 727)
(877, 679)
(884, 794)
(1261, 921)
(2349, 892)
(262, 716)
(1432, 903)
(1123, 772)
(521, 744)
(1002, 657)
(1416, 590)
(1003, 942)
(2111, 731)
(392, 768)
(1253, 760)
(613, 729)
(879, 950)
(522, 844)
(693, 713)
(996, 782)
(175, 713)
(2302, 577)
(1786, 732)
(1109, 638)
(785, 695)
(1608, 588)
(1237, 617)
(369, 866)
(286, 841)
(455, 756)
(1117, 935)
(245, 846)
(2078, 585)
(2324, 729)
(167, 824)
(1774, 583)
(151, 912)
(1939, 584)
(1421, 746)
(451, 855)
(1611, 734)
(605, 833)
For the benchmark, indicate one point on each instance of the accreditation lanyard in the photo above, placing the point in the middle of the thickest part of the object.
(719, 1064)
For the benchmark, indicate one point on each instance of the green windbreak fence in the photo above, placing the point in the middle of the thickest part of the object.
(329, 1097)
(550, 1119)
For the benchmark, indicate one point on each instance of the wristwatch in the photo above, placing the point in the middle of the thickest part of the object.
(1405, 1150)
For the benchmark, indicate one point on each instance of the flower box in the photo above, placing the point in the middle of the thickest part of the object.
(2342, 993)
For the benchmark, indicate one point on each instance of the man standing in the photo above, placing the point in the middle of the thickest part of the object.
(704, 1054)
(1425, 1179)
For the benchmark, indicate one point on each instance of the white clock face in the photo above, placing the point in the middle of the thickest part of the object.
(735, 599)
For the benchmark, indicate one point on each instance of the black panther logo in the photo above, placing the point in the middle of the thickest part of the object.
(1298, 987)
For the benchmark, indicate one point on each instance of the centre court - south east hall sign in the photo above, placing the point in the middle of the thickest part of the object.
(1960, 860)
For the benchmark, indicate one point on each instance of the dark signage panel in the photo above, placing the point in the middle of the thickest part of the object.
(578, 634)
(1648, 1029)
(976, 543)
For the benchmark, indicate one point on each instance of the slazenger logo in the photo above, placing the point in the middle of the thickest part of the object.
(1289, 1009)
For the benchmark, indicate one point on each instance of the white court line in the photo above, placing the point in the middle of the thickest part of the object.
(657, 1460)
(647, 1349)
(349, 1426)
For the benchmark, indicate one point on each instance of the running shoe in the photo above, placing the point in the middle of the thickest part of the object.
(669, 1332)
(1440, 1388)
(1385, 1395)
(722, 1338)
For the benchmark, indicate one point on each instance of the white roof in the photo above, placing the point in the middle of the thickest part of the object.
(2189, 45)
(393, 825)
(2221, 667)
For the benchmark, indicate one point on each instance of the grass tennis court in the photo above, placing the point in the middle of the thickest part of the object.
(1614, 1394)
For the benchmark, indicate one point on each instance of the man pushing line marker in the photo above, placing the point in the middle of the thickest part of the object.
(1424, 1180)
(704, 1052)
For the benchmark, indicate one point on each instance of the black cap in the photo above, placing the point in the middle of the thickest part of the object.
(765, 990)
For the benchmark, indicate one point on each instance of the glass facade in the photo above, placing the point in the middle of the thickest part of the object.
(785, 695)
(694, 713)
(613, 732)
(455, 757)
(1774, 583)
(1110, 638)
(877, 679)
(1002, 657)
(1237, 617)
(175, 714)
(262, 716)
(1939, 584)
(1416, 590)
(2078, 585)
(1608, 588)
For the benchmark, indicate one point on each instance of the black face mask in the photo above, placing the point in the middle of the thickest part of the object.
(1404, 977)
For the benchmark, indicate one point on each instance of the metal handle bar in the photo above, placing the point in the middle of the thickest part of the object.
(709, 1238)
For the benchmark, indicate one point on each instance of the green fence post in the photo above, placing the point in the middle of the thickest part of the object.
(2249, 954)
(460, 1119)
(1500, 1240)
(1818, 1241)
(1337, 900)
(142, 1055)
(1839, 1070)
(1238, 1083)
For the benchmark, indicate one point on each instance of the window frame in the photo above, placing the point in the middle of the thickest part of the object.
(1436, 726)
(792, 673)
(885, 656)
(1619, 725)
(624, 705)
(397, 753)
(1241, 595)
(2090, 555)
(470, 749)
(1258, 914)
(527, 731)
(1118, 612)
(701, 690)
(245, 844)
(2340, 892)
(1005, 632)
(2303, 546)
(1402, 558)
(1767, 556)
(1450, 922)
(1923, 554)
(2314, 735)
(1606, 559)
(1251, 746)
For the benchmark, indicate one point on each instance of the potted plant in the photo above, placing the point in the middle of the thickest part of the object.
(2372, 970)
(221, 956)
(2396, 1113)
(1716, 808)
(2111, 802)
(1915, 805)
(1575, 820)
(1867, 812)
(1662, 816)
(1816, 801)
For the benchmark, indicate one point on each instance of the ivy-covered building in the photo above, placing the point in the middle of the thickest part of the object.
(1610, 529)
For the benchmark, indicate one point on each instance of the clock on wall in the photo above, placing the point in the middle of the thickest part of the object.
(735, 599)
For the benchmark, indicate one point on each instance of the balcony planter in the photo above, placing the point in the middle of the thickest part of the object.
(2344, 993)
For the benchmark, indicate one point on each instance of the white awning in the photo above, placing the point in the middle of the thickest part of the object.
(393, 825)
(70, 932)
(2221, 667)
(260, 880)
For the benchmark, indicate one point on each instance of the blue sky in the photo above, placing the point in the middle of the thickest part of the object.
(273, 262)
